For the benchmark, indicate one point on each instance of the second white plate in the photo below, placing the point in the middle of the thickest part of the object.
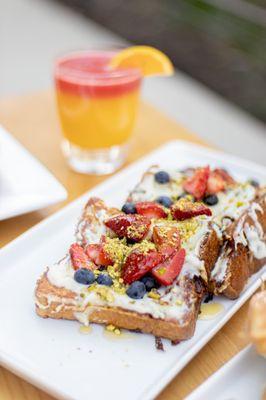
(241, 378)
(25, 184)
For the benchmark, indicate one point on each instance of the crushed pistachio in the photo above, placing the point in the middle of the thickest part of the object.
(102, 291)
(114, 329)
(136, 231)
(110, 328)
(163, 303)
(161, 270)
(91, 288)
(187, 228)
(144, 247)
(154, 294)
(116, 249)
(119, 287)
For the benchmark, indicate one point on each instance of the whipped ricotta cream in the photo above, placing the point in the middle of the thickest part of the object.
(62, 275)
(251, 235)
(247, 234)
(218, 273)
(148, 189)
(92, 232)
(231, 203)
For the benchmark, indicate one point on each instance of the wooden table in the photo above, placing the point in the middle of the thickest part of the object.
(32, 120)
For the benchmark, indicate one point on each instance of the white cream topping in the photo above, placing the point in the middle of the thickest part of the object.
(219, 271)
(239, 235)
(61, 275)
(253, 215)
(149, 189)
(193, 265)
(246, 234)
(233, 202)
(251, 235)
(256, 244)
(95, 230)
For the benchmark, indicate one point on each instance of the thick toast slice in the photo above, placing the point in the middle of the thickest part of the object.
(59, 303)
(170, 312)
(244, 250)
(240, 221)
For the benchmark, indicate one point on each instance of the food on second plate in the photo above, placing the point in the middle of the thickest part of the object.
(148, 265)
(257, 321)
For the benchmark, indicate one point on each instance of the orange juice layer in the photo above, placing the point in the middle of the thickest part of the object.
(97, 122)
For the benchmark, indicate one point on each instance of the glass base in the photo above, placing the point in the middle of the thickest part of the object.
(95, 162)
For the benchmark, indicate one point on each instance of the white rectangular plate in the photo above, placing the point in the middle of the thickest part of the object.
(25, 184)
(242, 378)
(54, 355)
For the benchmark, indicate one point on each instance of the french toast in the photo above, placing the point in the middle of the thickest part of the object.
(168, 310)
(244, 249)
(147, 267)
(238, 210)
(257, 321)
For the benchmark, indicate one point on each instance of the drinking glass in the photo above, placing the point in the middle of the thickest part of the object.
(97, 109)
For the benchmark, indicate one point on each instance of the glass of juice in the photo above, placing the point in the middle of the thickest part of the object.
(97, 108)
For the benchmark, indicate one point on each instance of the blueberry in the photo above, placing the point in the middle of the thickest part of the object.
(84, 276)
(164, 201)
(136, 290)
(129, 208)
(150, 283)
(211, 200)
(104, 279)
(162, 177)
(254, 183)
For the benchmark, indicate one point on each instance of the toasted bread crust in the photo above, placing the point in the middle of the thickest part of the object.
(241, 262)
(63, 307)
(90, 219)
(209, 251)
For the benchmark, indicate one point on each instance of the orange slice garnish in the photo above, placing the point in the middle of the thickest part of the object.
(148, 60)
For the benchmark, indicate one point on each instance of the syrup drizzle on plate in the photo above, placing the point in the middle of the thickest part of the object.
(210, 310)
(85, 330)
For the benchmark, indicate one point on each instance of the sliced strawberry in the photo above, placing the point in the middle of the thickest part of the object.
(218, 180)
(197, 183)
(166, 272)
(79, 258)
(224, 174)
(166, 239)
(132, 226)
(150, 209)
(137, 264)
(215, 183)
(184, 209)
(98, 255)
